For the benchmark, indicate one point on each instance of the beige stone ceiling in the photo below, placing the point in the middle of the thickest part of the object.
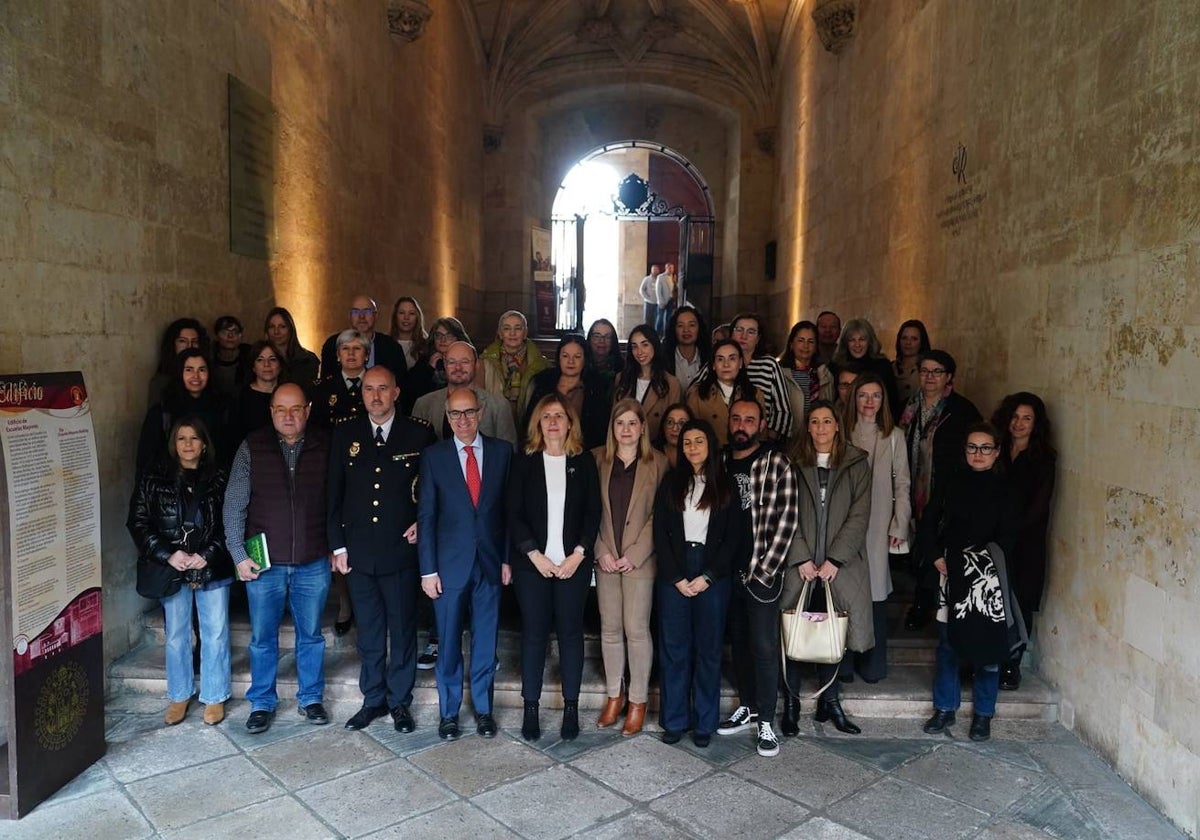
(728, 47)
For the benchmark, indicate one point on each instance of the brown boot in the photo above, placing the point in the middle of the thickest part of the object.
(176, 712)
(612, 711)
(635, 716)
(214, 713)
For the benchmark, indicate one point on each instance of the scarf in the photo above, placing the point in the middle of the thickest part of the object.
(923, 422)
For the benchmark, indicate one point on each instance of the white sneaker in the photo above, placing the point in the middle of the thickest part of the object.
(741, 719)
(768, 743)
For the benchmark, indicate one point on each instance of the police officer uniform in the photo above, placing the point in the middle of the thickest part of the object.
(372, 494)
(334, 401)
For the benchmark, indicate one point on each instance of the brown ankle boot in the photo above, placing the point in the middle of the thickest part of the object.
(635, 716)
(176, 712)
(612, 711)
(214, 713)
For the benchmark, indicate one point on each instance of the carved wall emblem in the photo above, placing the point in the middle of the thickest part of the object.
(835, 20)
(407, 18)
(597, 30)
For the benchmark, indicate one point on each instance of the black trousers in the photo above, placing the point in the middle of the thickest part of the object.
(754, 633)
(550, 603)
(385, 609)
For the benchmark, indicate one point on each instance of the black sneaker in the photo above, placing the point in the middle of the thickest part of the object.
(768, 742)
(741, 719)
(428, 657)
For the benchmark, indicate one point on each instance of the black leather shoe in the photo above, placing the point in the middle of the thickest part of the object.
(701, 741)
(916, 618)
(363, 717)
(981, 728)
(448, 729)
(938, 722)
(570, 724)
(341, 628)
(315, 714)
(671, 736)
(790, 725)
(485, 725)
(831, 710)
(259, 721)
(531, 727)
(1010, 676)
(402, 719)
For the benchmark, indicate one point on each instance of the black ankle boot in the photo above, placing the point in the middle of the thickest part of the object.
(570, 724)
(790, 725)
(531, 728)
(1010, 676)
(831, 710)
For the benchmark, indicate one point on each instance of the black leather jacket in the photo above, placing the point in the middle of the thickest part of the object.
(156, 519)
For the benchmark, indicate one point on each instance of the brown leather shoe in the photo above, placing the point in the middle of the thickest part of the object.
(635, 716)
(612, 711)
(176, 712)
(214, 713)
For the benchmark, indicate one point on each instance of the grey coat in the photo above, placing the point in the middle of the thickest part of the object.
(849, 510)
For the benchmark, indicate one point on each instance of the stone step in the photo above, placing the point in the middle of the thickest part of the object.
(904, 694)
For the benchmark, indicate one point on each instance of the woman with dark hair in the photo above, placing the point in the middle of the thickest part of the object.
(667, 442)
(573, 379)
(253, 408)
(231, 356)
(722, 382)
(553, 518)
(749, 330)
(799, 361)
(1029, 459)
(912, 339)
(508, 363)
(858, 348)
(301, 364)
(834, 482)
(175, 521)
(645, 377)
(189, 393)
(181, 334)
(408, 328)
(607, 360)
(687, 346)
(699, 532)
(629, 472)
(935, 423)
(429, 373)
(867, 420)
(967, 534)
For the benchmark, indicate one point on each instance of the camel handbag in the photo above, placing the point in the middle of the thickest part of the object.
(815, 636)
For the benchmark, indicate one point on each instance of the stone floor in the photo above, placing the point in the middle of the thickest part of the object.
(1034, 779)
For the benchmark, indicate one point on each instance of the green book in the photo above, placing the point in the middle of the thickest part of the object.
(256, 550)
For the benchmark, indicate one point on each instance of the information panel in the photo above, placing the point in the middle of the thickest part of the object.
(54, 688)
(251, 171)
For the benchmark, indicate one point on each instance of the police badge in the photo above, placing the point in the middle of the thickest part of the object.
(332, 400)
(355, 448)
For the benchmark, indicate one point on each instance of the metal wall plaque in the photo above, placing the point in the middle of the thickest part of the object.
(251, 171)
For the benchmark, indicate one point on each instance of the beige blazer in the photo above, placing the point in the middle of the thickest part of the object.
(656, 406)
(637, 540)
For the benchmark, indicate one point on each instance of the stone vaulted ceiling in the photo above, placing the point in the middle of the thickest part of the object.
(729, 48)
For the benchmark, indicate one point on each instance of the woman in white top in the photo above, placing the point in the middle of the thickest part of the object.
(553, 517)
(868, 417)
(645, 379)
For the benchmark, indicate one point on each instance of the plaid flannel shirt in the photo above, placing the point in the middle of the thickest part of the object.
(774, 515)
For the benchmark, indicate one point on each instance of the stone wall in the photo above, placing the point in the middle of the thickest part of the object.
(1065, 261)
(113, 190)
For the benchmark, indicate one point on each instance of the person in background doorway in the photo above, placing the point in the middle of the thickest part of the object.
(649, 295)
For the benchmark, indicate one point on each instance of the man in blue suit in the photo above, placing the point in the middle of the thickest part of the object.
(463, 550)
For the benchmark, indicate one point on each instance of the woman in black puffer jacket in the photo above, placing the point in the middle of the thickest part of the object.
(175, 521)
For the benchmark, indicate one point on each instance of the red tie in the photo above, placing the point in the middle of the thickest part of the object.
(473, 480)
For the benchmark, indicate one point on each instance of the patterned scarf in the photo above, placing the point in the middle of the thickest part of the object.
(514, 366)
(920, 444)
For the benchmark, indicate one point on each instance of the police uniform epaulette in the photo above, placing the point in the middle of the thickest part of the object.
(421, 421)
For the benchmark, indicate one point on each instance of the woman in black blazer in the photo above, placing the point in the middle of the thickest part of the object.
(698, 531)
(554, 514)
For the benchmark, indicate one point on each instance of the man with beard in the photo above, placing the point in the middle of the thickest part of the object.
(766, 486)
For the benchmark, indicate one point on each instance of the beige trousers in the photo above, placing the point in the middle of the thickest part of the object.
(625, 625)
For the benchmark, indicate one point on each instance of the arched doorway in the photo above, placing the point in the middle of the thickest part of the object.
(622, 208)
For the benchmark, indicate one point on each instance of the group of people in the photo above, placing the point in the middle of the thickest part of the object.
(694, 477)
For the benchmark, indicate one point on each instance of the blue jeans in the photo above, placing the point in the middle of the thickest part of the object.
(304, 590)
(947, 692)
(212, 606)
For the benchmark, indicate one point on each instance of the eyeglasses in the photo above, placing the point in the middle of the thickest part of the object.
(231, 331)
(456, 414)
(288, 410)
(981, 448)
(441, 335)
(932, 371)
(746, 330)
(355, 313)
(674, 424)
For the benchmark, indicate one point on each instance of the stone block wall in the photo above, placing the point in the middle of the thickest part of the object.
(1064, 261)
(114, 196)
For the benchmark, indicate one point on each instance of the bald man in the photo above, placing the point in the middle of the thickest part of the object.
(382, 349)
(495, 416)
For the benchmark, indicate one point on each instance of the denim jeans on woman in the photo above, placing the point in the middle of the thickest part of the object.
(212, 607)
(947, 690)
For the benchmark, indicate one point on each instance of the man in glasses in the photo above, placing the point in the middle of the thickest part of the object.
(464, 555)
(495, 416)
(382, 349)
(276, 492)
(372, 529)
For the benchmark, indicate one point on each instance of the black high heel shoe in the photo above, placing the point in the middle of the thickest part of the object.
(831, 710)
(790, 726)
(531, 728)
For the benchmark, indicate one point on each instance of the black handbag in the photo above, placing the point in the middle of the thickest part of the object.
(157, 580)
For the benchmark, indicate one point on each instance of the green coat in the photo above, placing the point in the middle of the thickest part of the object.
(849, 510)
